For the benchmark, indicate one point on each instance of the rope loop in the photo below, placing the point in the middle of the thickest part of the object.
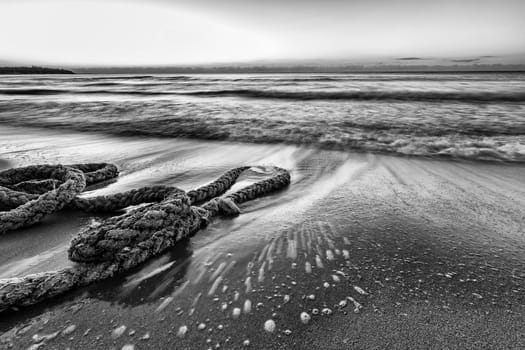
(159, 217)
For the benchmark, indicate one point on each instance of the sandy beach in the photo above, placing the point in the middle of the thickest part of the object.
(246, 174)
(380, 251)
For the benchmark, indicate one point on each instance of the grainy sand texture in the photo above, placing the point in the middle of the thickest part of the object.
(362, 251)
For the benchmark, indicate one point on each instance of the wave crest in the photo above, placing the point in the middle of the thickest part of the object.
(357, 95)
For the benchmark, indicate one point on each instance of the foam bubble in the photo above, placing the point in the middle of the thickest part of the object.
(319, 262)
(247, 306)
(357, 305)
(360, 290)
(248, 284)
(307, 267)
(181, 333)
(117, 332)
(326, 311)
(305, 317)
(269, 326)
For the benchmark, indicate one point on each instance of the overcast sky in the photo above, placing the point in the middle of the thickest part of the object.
(165, 32)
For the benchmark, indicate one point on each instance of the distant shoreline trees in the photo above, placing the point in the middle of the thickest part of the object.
(33, 70)
(271, 69)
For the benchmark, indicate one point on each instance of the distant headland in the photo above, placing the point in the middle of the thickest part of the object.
(33, 70)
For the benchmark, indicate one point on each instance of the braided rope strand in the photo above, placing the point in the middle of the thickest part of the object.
(28, 194)
(120, 243)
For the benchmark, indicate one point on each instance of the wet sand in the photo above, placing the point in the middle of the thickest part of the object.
(398, 253)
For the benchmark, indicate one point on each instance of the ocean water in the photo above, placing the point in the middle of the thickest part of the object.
(478, 116)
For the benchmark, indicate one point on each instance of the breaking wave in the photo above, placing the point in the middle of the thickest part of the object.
(500, 144)
(467, 116)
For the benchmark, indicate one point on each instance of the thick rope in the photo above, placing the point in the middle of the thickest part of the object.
(123, 242)
(30, 193)
(33, 210)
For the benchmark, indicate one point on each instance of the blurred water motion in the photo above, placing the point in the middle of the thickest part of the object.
(472, 116)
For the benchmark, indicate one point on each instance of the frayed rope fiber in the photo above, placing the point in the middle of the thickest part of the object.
(118, 243)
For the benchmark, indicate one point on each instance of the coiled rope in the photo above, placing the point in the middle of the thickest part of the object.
(118, 243)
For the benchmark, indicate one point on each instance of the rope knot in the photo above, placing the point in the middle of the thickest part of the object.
(228, 207)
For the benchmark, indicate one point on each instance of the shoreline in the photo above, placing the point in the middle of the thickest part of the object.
(134, 135)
